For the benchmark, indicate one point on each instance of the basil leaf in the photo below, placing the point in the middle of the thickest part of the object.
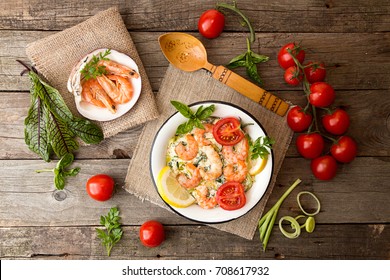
(183, 109)
(205, 113)
(185, 127)
(240, 63)
(59, 181)
(198, 124)
(257, 58)
(252, 73)
(238, 58)
(65, 161)
(89, 132)
(72, 172)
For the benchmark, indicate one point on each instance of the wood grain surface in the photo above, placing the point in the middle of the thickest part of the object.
(351, 37)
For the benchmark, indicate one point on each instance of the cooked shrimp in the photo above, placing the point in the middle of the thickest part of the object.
(236, 171)
(232, 154)
(114, 68)
(93, 93)
(202, 135)
(203, 197)
(210, 165)
(187, 149)
(124, 87)
(190, 178)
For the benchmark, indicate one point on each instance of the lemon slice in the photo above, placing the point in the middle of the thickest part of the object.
(257, 165)
(171, 191)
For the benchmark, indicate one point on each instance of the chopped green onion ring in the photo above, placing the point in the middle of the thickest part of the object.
(310, 224)
(294, 224)
(300, 217)
(303, 210)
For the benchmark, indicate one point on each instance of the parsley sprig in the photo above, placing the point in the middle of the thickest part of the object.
(259, 148)
(113, 231)
(91, 70)
(194, 119)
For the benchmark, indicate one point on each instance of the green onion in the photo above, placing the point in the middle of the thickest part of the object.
(294, 225)
(303, 210)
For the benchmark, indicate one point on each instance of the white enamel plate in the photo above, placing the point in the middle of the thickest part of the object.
(195, 212)
(93, 112)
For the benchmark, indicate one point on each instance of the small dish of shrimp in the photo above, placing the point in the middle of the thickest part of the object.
(106, 84)
(212, 167)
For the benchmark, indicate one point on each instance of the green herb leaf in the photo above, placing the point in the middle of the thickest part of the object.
(89, 132)
(91, 70)
(195, 119)
(183, 109)
(113, 231)
(259, 148)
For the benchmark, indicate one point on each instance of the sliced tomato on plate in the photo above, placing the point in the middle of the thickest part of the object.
(227, 131)
(231, 196)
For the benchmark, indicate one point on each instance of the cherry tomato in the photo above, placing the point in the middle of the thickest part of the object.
(100, 187)
(231, 196)
(344, 150)
(321, 94)
(337, 122)
(285, 59)
(298, 120)
(315, 71)
(152, 233)
(211, 24)
(293, 76)
(310, 145)
(324, 168)
(228, 131)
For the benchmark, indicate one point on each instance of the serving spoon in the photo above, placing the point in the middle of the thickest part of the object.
(187, 53)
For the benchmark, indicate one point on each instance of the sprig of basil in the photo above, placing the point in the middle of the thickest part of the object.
(194, 119)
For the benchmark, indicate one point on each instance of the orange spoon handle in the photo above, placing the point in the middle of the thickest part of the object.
(250, 90)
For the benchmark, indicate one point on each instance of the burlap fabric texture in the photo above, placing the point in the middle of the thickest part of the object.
(56, 55)
(189, 88)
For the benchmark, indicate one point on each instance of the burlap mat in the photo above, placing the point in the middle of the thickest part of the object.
(189, 88)
(56, 55)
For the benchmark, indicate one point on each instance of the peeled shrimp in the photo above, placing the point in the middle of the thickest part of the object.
(114, 68)
(118, 88)
(191, 178)
(187, 149)
(211, 164)
(201, 135)
(236, 171)
(202, 196)
(93, 93)
(232, 154)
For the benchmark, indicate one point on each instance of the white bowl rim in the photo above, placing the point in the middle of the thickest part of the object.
(200, 103)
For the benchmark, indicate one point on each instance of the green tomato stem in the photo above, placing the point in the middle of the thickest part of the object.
(236, 10)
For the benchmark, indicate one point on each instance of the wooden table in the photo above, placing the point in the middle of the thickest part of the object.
(351, 37)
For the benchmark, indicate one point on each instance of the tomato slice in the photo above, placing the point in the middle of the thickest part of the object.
(228, 131)
(231, 196)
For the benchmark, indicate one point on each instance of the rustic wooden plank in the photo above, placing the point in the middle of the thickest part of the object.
(27, 198)
(353, 59)
(266, 16)
(197, 242)
(373, 136)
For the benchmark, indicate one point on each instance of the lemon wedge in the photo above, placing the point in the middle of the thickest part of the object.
(257, 165)
(171, 191)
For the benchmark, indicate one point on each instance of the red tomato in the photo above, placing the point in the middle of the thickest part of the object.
(310, 145)
(152, 233)
(292, 76)
(344, 150)
(228, 131)
(231, 196)
(211, 24)
(298, 120)
(100, 187)
(315, 71)
(321, 94)
(285, 59)
(324, 168)
(337, 122)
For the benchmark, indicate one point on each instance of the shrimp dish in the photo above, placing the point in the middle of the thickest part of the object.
(212, 162)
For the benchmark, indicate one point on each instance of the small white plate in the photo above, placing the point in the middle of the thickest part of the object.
(195, 212)
(90, 111)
